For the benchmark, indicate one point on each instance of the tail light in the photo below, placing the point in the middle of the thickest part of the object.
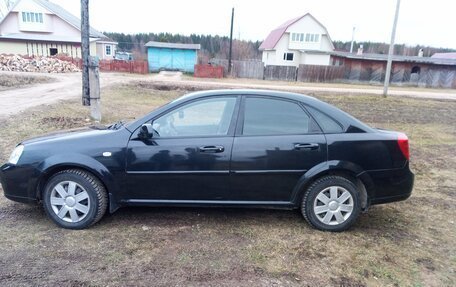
(403, 142)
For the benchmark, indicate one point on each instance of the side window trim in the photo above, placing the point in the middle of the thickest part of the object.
(241, 116)
(231, 129)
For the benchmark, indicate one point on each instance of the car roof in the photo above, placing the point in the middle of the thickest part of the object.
(227, 92)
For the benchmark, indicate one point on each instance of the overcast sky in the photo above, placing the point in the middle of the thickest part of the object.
(420, 21)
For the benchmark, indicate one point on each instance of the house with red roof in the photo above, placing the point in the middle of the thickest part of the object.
(303, 40)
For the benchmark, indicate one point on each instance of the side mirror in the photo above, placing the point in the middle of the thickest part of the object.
(146, 132)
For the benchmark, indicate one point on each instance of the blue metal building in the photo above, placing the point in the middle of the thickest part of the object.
(172, 56)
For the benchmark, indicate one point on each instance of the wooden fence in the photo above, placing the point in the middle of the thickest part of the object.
(250, 69)
(431, 76)
(434, 76)
(281, 73)
(316, 73)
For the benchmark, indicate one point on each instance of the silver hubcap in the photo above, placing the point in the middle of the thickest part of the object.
(333, 205)
(70, 201)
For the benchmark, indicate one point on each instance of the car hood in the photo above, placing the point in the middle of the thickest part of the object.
(68, 134)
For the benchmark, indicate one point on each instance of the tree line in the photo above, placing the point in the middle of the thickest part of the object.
(218, 46)
(211, 46)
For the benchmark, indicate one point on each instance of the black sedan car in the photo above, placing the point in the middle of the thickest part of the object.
(229, 148)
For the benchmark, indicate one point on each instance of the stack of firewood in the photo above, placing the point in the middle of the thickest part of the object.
(36, 64)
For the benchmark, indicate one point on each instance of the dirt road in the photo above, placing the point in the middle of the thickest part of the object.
(306, 88)
(68, 86)
(65, 86)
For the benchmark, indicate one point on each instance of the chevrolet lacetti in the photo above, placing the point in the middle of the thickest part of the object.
(227, 148)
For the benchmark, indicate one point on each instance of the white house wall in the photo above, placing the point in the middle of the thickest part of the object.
(308, 25)
(315, 59)
(9, 25)
(64, 36)
(31, 6)
(326, 44)
(101, 51)
(62, 28)
(54, 26)
(281, 48)
(302, 51)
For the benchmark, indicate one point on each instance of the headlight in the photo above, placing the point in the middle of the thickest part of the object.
(16, 154)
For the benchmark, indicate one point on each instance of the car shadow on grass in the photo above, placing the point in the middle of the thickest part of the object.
(378, 221)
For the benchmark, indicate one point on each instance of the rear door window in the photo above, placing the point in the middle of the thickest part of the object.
(265, 116)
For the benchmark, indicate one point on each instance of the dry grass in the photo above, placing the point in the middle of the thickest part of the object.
(410, 243)
(10, 81)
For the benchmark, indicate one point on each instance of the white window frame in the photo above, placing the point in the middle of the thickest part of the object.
(305, 37)
(106, 50)
(32, 17)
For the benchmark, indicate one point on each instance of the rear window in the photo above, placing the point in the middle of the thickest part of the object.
(327, 124)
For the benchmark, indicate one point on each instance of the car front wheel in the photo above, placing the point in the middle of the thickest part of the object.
(331, 203)
(75, 199)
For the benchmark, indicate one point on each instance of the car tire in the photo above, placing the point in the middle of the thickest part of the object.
(74, 199)
(331, 203)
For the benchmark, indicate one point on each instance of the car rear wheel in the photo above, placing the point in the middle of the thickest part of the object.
(75, 199)
(331, 203)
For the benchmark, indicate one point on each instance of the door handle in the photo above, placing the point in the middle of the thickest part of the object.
(307, 146)
(212, 149)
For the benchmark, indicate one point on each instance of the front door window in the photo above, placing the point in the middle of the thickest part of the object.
(210, 117)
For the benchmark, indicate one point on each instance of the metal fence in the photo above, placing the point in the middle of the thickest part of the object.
(136, 67)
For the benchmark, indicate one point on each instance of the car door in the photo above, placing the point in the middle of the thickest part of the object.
(188, 157)
(276, 142)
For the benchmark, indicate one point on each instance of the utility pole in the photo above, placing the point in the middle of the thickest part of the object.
(353, 39)
(85, 51)
(391, 50)
(231, 42)
(90, 71)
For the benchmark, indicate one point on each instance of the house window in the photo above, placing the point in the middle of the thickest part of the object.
(288, 56)
(305, 37)
(108, 50)
(53, 51)
(31, 17)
